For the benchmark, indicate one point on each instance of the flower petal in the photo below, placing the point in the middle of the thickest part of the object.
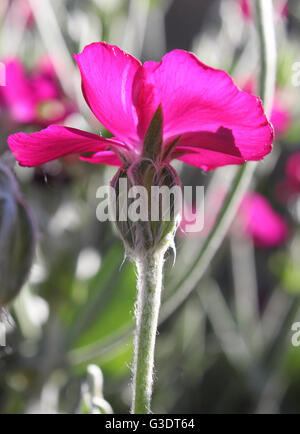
(108, 75)
(54, 142)
(211, 150)
(103, 157)
(196, 98)
(207, 159)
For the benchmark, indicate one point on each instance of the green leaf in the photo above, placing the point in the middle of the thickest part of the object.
(154, 137)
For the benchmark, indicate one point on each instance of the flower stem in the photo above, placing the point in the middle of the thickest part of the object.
(149, 270)
(268, 54)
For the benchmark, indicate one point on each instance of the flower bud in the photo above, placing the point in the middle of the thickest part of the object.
(148, 206)
(17, 237)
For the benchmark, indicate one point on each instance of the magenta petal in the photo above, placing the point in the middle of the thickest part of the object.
(103, 157)
(54, 142)
(108, 75)
(196, 98)
(211, 150)
(207, 159)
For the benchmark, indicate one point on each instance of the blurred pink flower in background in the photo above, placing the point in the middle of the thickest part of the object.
(259, 221)
(255, 219)
(20, 11)
(280, 116)
(292, 170)
(26, 12)
(207, 121)
(34, 98)
(188, 217)
(288, 189)
(247, 8)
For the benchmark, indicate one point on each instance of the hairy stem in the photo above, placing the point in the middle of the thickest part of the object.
(149, 269)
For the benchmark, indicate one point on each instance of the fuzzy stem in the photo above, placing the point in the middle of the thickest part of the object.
(149, 270)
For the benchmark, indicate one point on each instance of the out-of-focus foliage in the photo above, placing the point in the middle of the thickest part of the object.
(17, 237)
(228, 347)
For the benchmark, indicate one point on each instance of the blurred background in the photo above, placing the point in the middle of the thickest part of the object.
(228, 347)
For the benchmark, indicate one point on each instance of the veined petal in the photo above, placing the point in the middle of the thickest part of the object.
(108, 74)
(198, 99)
(211, 150)
(206, 159)
(54, 142)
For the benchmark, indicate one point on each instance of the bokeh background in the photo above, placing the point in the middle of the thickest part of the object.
(227, 348)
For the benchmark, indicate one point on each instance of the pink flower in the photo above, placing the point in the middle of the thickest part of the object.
(207, 121)
(288, 189)
(246, 9)
(26, 13)
(34, 98)
(260, 222)
(280, 117)
(255, 219)
(20, 12)
(191, 221)
(292, 169)
(188, 217)
(247, 6)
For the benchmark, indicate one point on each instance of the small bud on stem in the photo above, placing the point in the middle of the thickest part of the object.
(161, 218)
